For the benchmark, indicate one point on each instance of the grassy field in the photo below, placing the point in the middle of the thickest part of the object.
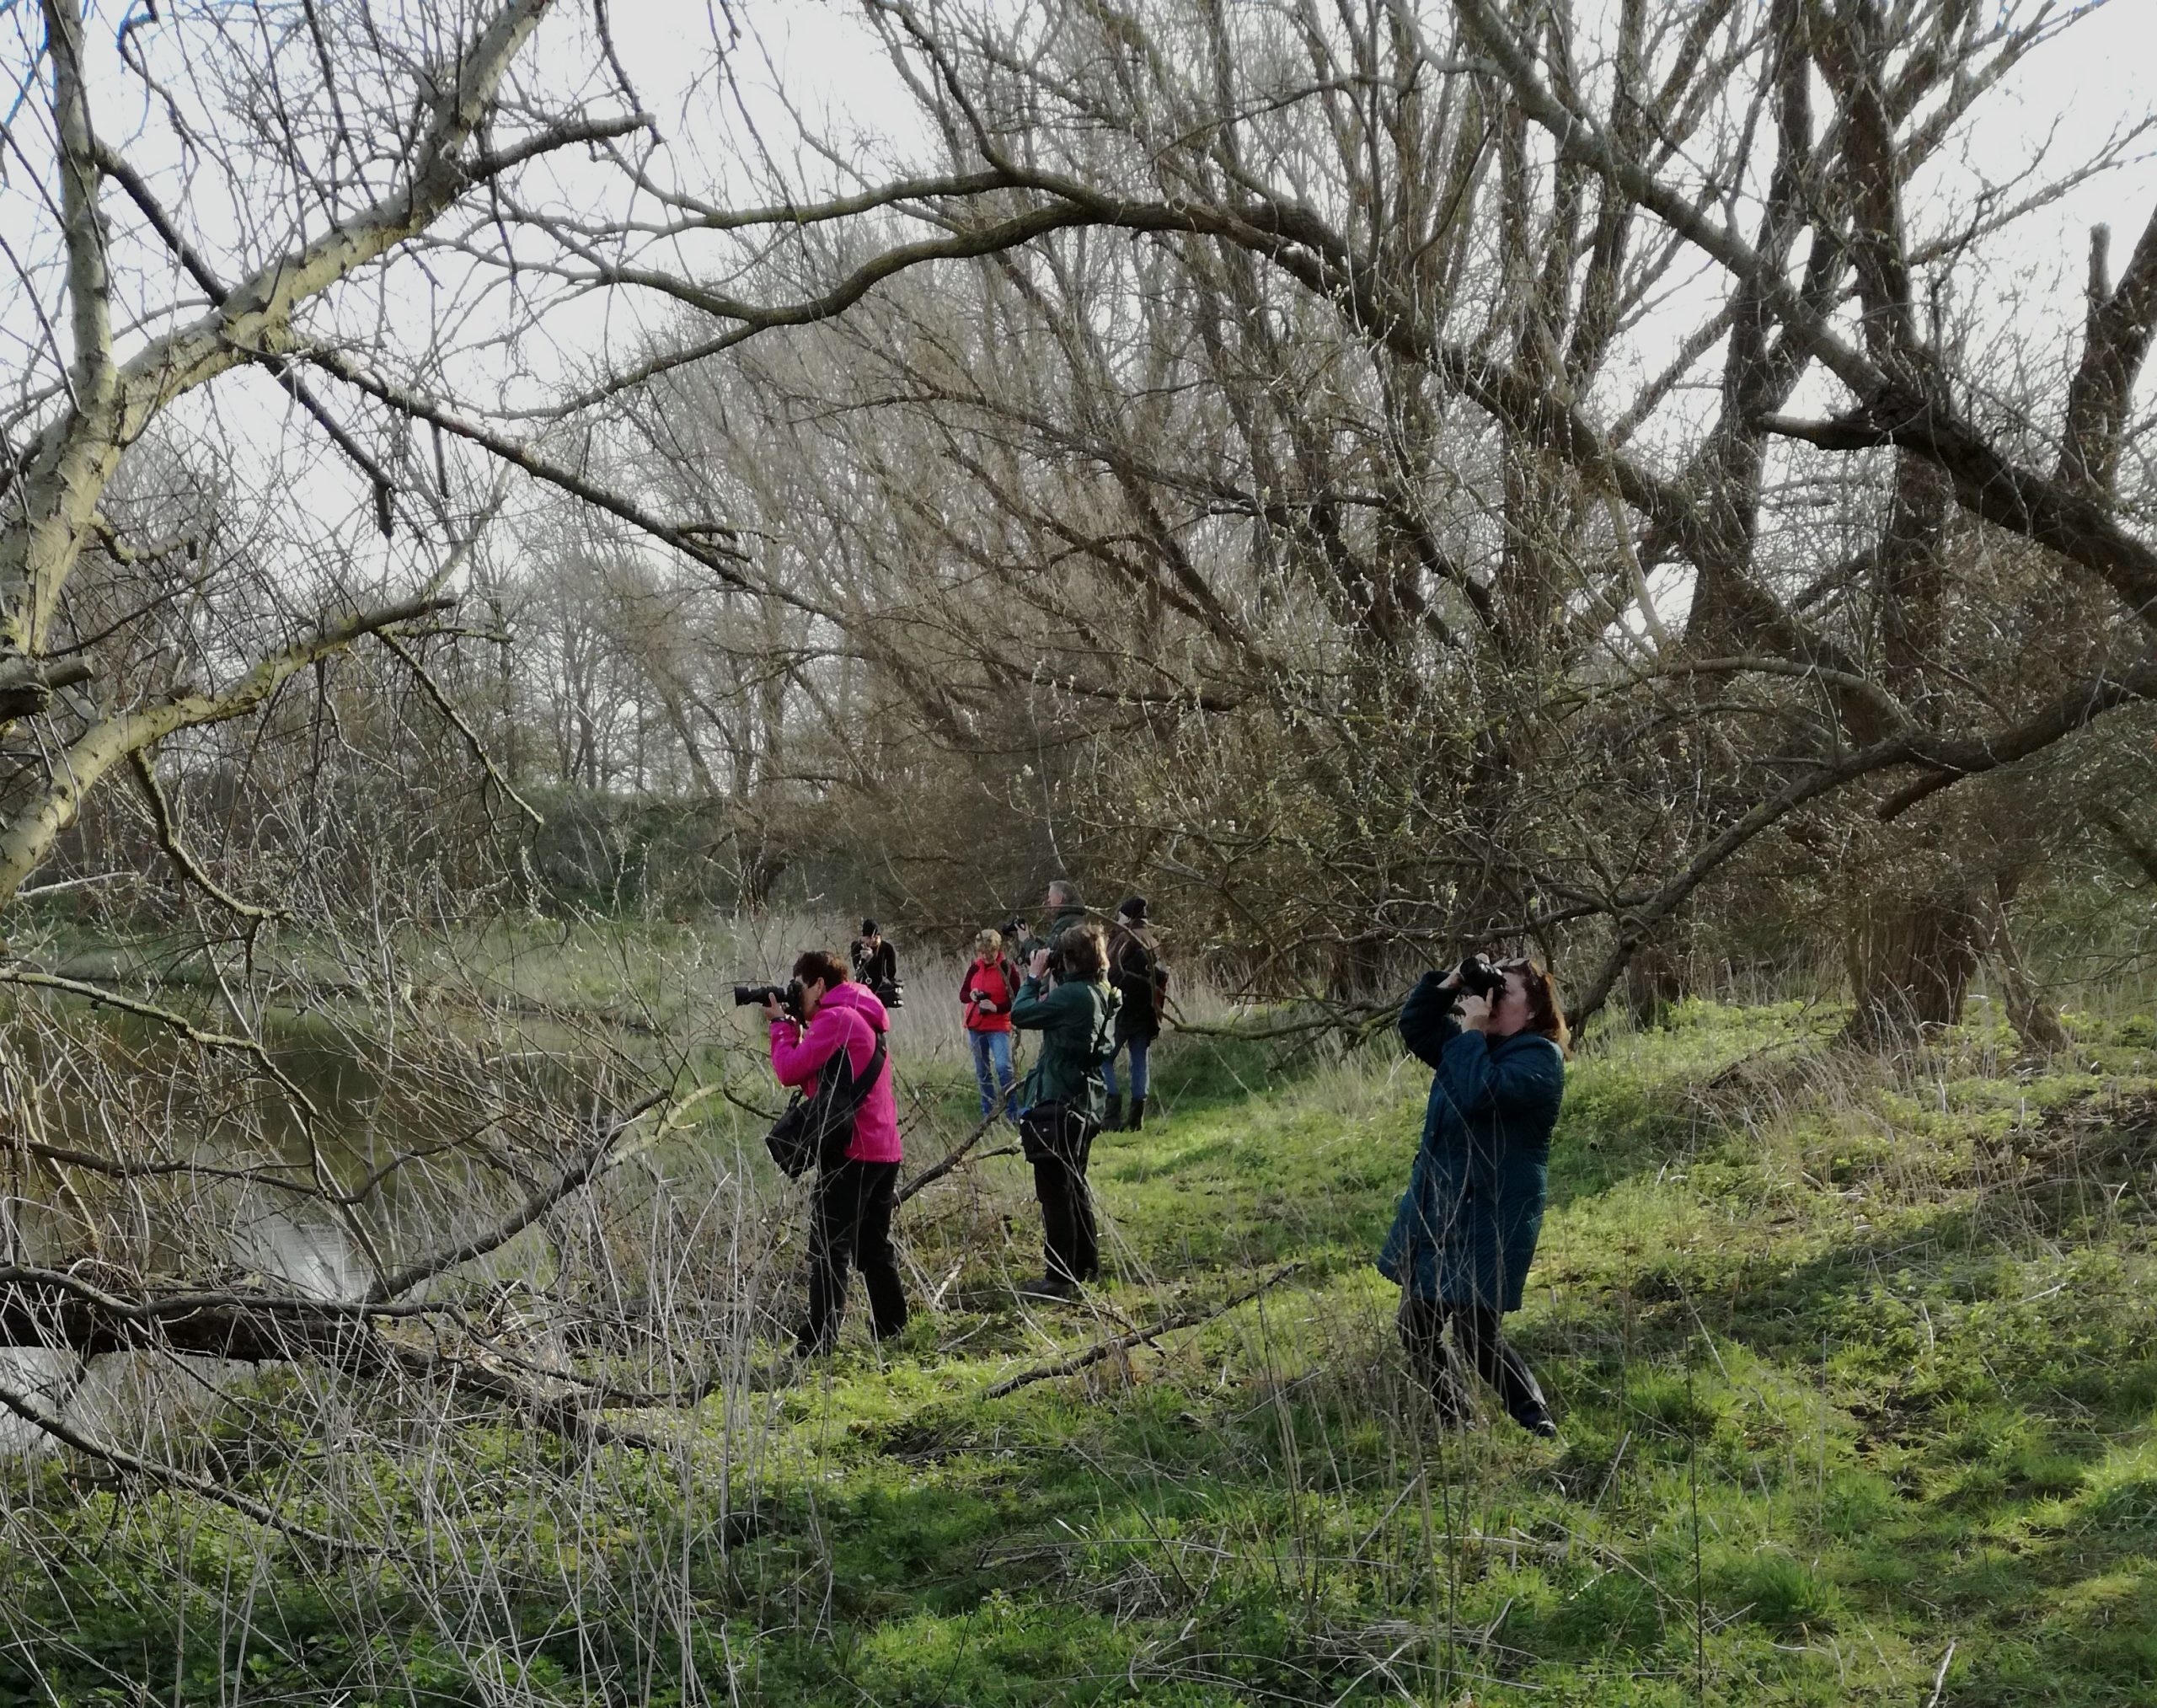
(1854, 1363)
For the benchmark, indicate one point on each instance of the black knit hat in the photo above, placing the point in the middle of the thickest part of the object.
(868, 928)
(1134, 910)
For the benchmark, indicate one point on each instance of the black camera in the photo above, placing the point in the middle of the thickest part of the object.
(787, 996)
(1476, 977)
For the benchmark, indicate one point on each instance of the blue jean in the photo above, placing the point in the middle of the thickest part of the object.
(1139, 1048)
(994, 1050)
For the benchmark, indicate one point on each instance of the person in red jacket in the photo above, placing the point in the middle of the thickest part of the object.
(985, 995)
(850, 1215)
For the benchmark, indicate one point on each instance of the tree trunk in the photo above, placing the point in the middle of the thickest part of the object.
(2035, 1023)
(1910, 962)
(1655, 980)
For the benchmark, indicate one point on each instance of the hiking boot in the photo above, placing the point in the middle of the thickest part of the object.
(1138, 1115)
(1057, 1288)
(1114, 1124)
(1540, 1425)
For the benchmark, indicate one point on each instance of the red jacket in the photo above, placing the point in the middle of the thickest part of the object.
(849, 1017)
(993, 977)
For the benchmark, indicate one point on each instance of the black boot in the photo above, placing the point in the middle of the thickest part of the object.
(1138, 1115)
(1115, 1121)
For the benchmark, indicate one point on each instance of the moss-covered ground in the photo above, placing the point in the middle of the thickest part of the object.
(1854, 1360)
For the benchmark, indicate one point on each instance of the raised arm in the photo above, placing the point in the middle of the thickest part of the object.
(796, 1055)
(1030, 1009)
(1427, 1021)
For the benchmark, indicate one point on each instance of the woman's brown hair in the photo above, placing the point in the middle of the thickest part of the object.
(1544, 1014)
(1084, 951)
(819, 963)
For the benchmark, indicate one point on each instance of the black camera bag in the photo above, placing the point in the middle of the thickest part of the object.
(815, 1130)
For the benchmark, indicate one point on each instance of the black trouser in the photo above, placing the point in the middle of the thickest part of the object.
(1059, 1146)
(850, 1218)
(1476, 1336)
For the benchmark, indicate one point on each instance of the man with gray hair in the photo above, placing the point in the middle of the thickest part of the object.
(1065, 910)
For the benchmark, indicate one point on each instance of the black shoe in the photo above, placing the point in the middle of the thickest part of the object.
(1540, 1425)
(1138, 1115)
(1058, 1288)
(1115, 1121)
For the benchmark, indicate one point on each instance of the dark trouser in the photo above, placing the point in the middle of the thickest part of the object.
(1071, 1246)
(850, 1218)
(1476, 1337)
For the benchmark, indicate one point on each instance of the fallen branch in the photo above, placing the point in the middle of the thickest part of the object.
(1101, 1349)
(952, 1158)
(601, 1154)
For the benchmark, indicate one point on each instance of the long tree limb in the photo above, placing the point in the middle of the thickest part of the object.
(1102, 1349)
(27, 838)
(573, 1179)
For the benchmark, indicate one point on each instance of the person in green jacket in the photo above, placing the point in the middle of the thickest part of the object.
(1065, 911)
(1063, 1098)
(1467, 1227)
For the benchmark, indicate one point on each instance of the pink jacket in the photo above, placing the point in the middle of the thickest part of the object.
(851, 1015)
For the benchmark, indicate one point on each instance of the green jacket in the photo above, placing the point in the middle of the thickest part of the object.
(1075, 1020)
(1056, 927)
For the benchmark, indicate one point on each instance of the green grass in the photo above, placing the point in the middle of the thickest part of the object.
(1854, 1360)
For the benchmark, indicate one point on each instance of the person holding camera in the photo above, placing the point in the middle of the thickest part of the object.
(1065, 911)
(850, 1212)
(876, 964)
(1465, 1233)
(986, 993)
(1064, 1098)
(1135, 968)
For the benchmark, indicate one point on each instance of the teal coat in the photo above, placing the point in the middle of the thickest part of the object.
(1466, 1229)
(1076, 1020)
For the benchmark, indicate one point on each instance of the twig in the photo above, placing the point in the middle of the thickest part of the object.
(169, 838)
(448, 708)
(1939, 1678)
(1101, 1349)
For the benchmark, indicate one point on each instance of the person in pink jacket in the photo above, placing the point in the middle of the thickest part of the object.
(850, 1215)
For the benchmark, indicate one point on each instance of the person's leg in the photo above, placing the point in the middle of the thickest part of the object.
(1139, 1079)
(1085, 1238)
(1116, 1096)
(1052, 1187)
(873, 1255)
(1423, 1324)
(833, 1213)
(999, 1055)
(980, 1044)
(1496, 1361)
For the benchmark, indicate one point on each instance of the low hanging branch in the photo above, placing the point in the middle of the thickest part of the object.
(1102, 1349)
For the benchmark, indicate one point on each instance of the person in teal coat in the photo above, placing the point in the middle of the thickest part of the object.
(1465, 1233)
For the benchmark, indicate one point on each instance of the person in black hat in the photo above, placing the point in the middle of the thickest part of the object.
(876, 964)
(1141, 982)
